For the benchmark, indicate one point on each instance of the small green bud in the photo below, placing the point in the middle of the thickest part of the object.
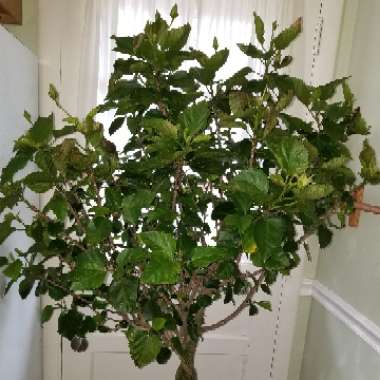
(53, 93)
(174, 12)
(215, 44)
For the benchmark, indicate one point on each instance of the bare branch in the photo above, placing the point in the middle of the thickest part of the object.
(254, 289)
(367, 207)
(177, 183)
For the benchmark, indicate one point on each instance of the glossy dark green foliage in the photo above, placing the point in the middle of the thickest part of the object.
(147, 238)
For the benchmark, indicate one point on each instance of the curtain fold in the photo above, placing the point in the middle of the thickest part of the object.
(230, 21)
(97, 57)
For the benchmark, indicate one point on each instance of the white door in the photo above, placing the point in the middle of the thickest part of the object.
(260, 345)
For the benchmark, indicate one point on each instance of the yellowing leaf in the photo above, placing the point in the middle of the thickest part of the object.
(286, 37)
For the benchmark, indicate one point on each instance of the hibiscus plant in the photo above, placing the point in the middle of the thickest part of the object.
(144, 239)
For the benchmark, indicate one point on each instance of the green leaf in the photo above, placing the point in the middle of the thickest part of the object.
(17, 163)
(47, 313)
(259, 26)
(316, 191)
(25, 287)
(162, 127)
(12, 195)
(290, 153)
(79, 344)
(269, 233)
(160, 242)
(266, 289)
(69, 323)
(161, 270)
(39, 182)
(123, 294)
(6, 228)
(358, 126)
(131, 256)
(251, 50)
(143, 347)
(116, 125)
(286, 37)
(90, 271)
(252, 182)
(328, 90)
(369, 169)
(133, 205)
(239, 78)
(301, 90)
(42, 131)
(286, 61)
(3, 261)
(66, 130)
(216, 61)
(28, 117)
(13, 270)
(174, 12)
(348, 95)
(226, 270)
(158, 323)
(72, 323)
(335, 163)
(175, 39)
(215, 44)
(266, 305)
(53, 93)
(324, 236)
(59, 206)
(164, 356)
(204, 256)
(98, 230)
(240, 103)
(209, 65)
(195, 120)
(253, 310)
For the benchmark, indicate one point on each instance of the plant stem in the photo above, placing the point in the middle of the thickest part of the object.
(186, 369)
(177, 183)
(252, 157)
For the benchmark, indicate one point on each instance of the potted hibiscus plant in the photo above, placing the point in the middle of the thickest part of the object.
(145, 239)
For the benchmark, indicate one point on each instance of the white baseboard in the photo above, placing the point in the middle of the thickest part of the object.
(358, 323)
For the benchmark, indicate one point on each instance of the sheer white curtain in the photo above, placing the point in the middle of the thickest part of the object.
(230, 20)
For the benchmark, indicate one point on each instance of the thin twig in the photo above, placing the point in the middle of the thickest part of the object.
(366, 207)
(254, 289)
(252, 157)
(177, 184)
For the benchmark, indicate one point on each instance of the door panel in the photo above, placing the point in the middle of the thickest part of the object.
(243, 347)
(220, 357)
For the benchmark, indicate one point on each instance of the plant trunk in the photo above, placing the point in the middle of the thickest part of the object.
(186, 369)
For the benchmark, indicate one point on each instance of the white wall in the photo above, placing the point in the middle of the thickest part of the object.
(59, 39)
(20, 333)
(350, 267)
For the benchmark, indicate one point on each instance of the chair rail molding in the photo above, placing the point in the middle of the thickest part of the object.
(357, 322)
